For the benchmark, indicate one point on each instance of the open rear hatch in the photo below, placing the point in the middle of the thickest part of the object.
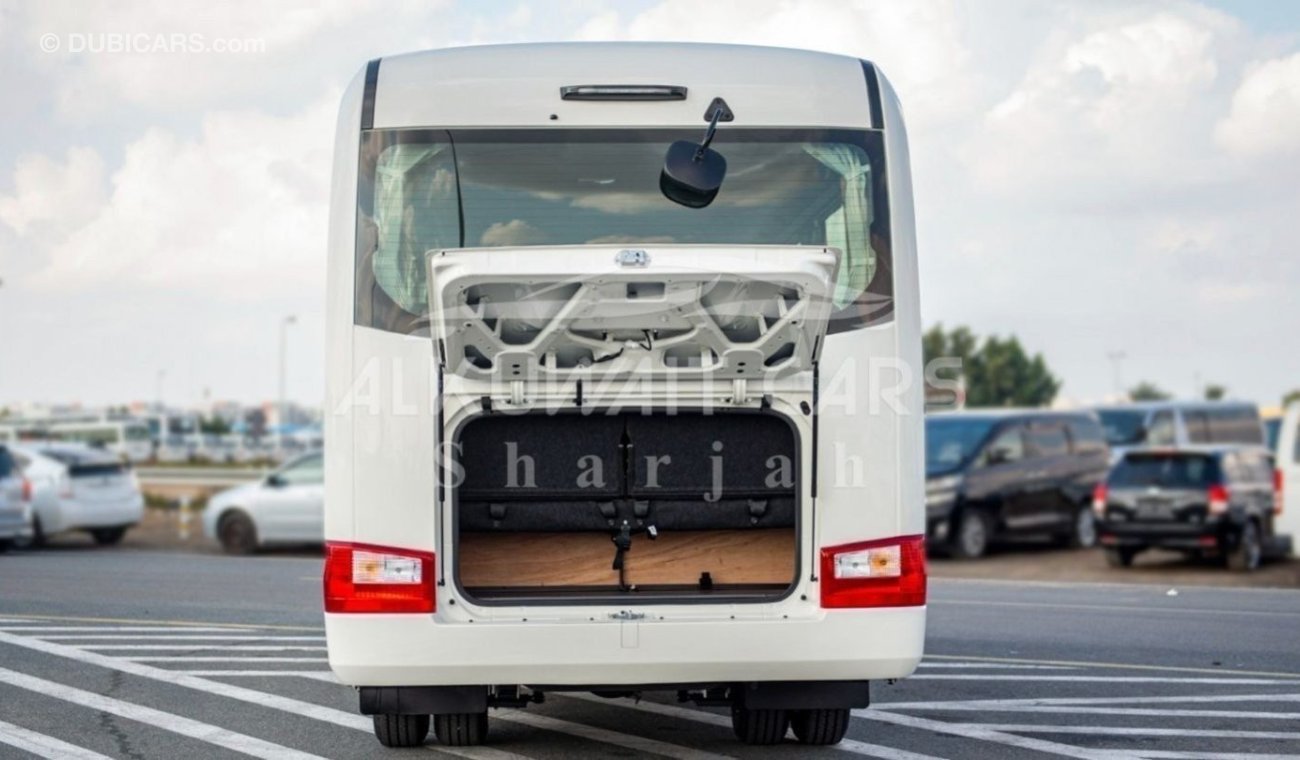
(572, 498)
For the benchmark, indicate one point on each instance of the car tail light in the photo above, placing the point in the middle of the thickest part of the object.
(1218, 499)
(885, 573)
(27, 490)
(1100, 495)
(1278, 481)
(365, 578)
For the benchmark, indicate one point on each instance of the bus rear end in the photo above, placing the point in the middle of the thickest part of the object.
(590, 434)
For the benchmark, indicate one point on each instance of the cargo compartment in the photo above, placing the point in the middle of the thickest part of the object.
(573, 507)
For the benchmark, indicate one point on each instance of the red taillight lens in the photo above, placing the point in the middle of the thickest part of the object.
(1218, 499)
(27, 490)
(885, 573)
(1100, 495)
(1278, 482)
(365, 578)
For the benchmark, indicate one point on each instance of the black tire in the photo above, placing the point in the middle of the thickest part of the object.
(5, 545)
(108, 536)
(1083, 530)
(461, 729)
(973, 535)
(401, 730)
(759, 727)
(1249, 552)
(821, 727)
(237, 533)
(1120, 557)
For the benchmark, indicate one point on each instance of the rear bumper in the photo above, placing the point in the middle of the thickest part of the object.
(73, 514)
(832, 645)
(1217, 533)
(14, 523)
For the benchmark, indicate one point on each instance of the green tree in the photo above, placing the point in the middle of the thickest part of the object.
(1291, 397)
(997, 371)
(213, 426)
(1215, 392)
(1146, 391)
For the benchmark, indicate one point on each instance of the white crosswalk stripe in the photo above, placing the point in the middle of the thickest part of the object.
(44, 746)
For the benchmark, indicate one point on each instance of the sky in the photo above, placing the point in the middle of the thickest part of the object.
(1095, 177)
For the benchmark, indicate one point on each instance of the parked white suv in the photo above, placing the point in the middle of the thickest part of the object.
(285, 507)
(15, 502)
(75, 487)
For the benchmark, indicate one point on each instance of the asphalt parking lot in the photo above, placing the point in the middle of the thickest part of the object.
(133, 654)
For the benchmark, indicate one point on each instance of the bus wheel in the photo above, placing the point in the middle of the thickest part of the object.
(759, 726)
(401, 730)
(823, 726)
(461, 729)
(237, 533)
(107, 536)
(973, 534)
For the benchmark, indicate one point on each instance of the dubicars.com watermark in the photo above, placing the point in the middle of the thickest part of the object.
(148, 43)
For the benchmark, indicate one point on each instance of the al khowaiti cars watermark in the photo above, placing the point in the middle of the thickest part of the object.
(167, 43)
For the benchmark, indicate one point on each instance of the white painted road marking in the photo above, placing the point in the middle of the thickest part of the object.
(116, 629)
(1197, 733)
(44, 746)
(175, 637)
(973, 732)
(222, 659)
(1044, 701)
(1103, 679)
(629, 741)
(205, 647)
(168, 721)
(1077, 710)
(986, 666)
(313, 674)
(713, 719)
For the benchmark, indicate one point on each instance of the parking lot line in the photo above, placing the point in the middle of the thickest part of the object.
(1121, 608)
(969, 731)
(1197, 733)
(1104, 679)
(173, 637)
(1115, 665)
(605, 736)
(178, 724)
(314, 674)
(984, 666)
(1071, 709)
(700, 716)
(1184, 755)
(182, 658)
(1043, 701)
(44, 746)
(108, 629)
(154, 622)
(206, 647)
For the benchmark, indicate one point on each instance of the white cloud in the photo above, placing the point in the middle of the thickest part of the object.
(58, 195)
(239, 209)
(1265, 116)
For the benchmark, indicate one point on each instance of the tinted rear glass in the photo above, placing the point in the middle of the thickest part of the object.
(1047, 440)
(6, 463)
(950, 442)
(1087, 436)
(1165, 471)
(1123, 427)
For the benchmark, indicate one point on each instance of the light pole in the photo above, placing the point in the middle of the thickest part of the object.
(1116, 357)
(281, 408)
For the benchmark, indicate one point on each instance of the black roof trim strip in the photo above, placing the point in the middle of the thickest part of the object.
(873, 95)
(368, 98)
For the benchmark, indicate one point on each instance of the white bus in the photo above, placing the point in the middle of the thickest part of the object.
(624, 386)
(129, 439)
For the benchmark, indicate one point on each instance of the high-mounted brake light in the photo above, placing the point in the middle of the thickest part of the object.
(623, 92)
(1278, 482)
(1217, 495)
(365, 578)
(885, 573)
(1100, 495)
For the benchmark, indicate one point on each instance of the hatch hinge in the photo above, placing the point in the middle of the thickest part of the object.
(517, 392)
(739, 391)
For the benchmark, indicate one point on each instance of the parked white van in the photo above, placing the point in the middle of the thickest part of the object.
(624, 386)
(1287, 460)
(1179, 424)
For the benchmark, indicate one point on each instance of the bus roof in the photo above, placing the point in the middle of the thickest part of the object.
(519, 86)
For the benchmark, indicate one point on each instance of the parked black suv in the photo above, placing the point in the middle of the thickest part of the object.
(1217, 500)
(1011, 473)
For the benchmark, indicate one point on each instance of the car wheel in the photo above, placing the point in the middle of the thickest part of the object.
(759, 727)
(973, 535)
(461, 729)
(107, 536)
(237, 533)
(1120, 557)
(820, 727)
(1083, 532)
(35, 540)
(5, 545)
(401, 730)
(1249, 551)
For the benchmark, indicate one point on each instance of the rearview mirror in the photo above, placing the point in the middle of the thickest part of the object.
(693, 174)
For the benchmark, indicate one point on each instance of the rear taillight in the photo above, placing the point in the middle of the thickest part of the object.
(365, 578)
(884, 573)
(1217, 496)
(1278, 481)
(1100, 495)
(27, 490)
